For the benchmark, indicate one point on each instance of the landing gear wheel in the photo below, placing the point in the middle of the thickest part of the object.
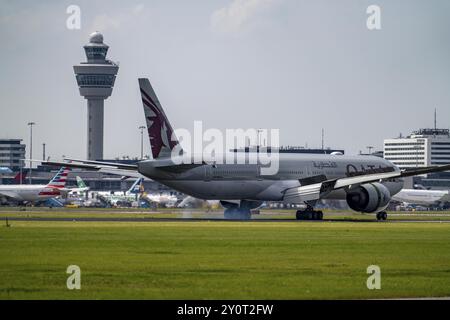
(381, 215)
(320, 215)
(309, 215)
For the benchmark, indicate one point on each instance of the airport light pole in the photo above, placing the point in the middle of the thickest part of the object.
(31, 124)
(259, 139)
(142, 141)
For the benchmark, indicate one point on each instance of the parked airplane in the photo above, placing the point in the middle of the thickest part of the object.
(81, 187)
(367, 183)
(20, 177)
(197, 203)
(127, 196)
(162, 199)
(4, 170)
(36, 192)
(423, 197)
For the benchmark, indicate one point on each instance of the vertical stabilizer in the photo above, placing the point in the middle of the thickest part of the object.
(160, 132)
(60, 179)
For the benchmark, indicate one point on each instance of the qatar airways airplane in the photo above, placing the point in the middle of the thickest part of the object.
(367, 183)
(37, 192)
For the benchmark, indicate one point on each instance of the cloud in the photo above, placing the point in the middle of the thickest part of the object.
(238, 14)
(104, 22)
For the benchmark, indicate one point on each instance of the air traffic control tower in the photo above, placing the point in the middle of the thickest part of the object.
(95, 80)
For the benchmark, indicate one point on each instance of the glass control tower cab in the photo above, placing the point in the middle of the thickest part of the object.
(95, 80)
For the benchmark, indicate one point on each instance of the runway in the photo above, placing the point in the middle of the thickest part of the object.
(152, 219)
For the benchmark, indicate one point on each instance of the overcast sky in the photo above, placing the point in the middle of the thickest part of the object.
(294, 65)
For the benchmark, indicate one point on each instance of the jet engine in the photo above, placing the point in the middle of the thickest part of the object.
(369, 198)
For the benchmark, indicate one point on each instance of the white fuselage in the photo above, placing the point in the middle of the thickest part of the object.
(422, 197)
(31, 192)
(212, 181)
(117, 196)
(167, 200)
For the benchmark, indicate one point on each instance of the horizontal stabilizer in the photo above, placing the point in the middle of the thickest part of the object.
(110, 168)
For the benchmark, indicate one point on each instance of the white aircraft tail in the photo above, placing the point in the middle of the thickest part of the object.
(136, 187)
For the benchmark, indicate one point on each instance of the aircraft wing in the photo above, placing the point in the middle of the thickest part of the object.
(108, 164)
(315, 191)
(446, 197)
(126, 171)
(8, 194)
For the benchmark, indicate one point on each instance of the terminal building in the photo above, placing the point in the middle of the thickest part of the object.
(12, 153)
(425, 147)
(289, 149)
(422, 148)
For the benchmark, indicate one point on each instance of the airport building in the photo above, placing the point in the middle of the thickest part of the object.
(12, 153)
(424, 147)
(290, 149)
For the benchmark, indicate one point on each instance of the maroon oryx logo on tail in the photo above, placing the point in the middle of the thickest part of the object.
(159, 129)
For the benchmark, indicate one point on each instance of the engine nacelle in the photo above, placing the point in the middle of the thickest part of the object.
(369, 197)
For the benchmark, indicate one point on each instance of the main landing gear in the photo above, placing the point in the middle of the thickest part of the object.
(381, 215)
(309, 214)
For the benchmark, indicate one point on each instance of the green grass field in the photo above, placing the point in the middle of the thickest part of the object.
(223, 260)
(37, 212)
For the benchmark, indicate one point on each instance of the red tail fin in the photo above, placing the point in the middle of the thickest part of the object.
(20, 177)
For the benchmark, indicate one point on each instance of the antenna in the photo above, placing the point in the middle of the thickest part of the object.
(435, 127)
(322, 138)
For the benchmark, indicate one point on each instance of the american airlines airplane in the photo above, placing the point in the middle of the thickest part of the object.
(367, 183)
(37, 192)
(4, 170)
